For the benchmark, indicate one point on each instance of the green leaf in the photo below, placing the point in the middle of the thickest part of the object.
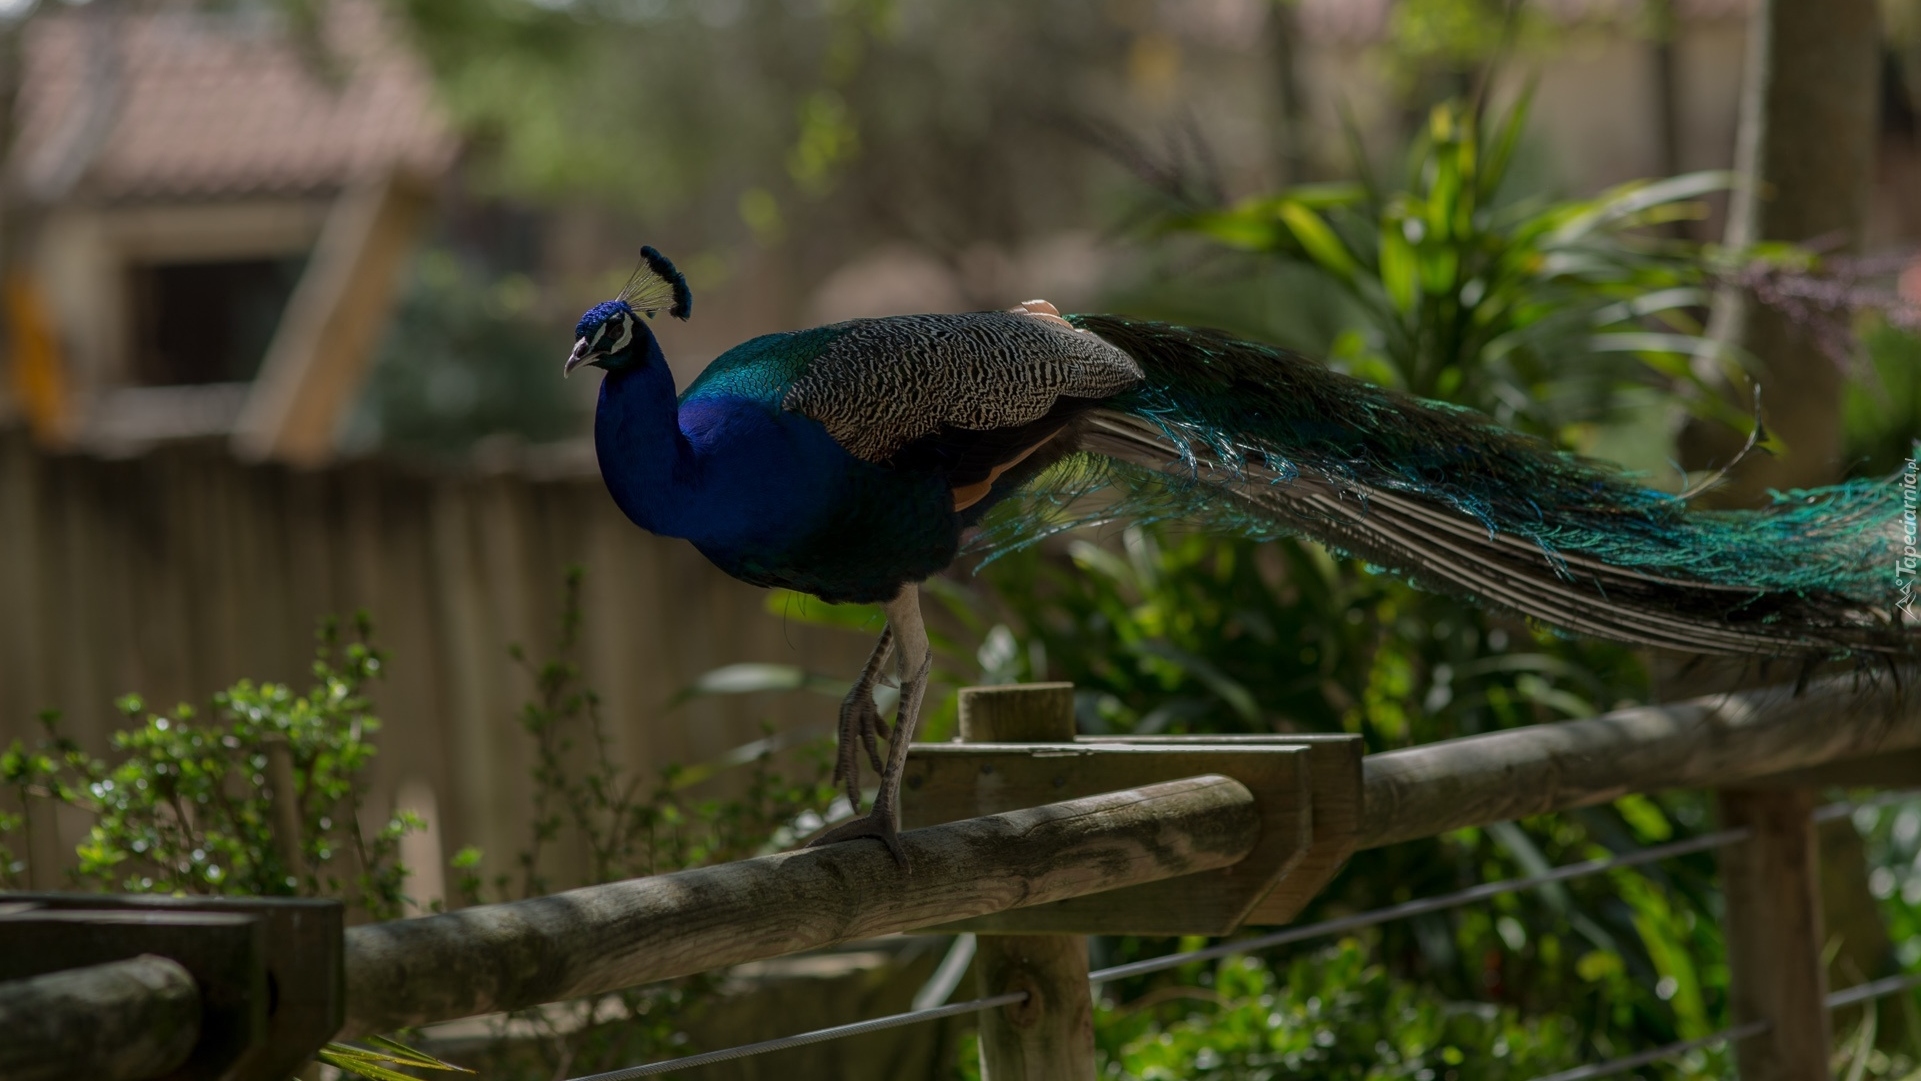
(1500, 152)
(1627, 200)
(1317, 239)
(807, 608)
(1246, 228)
(374, 1064)
(753, 678)
(1399, 276)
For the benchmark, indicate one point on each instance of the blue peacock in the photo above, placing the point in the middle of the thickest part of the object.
(850, 462)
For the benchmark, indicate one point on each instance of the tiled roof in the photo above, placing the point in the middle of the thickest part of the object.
(177, 104)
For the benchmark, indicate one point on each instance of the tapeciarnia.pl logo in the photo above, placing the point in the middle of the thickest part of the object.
(1910, 560)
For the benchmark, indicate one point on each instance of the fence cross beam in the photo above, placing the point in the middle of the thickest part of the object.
(604, 938)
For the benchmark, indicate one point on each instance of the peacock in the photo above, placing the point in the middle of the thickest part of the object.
(853, 461)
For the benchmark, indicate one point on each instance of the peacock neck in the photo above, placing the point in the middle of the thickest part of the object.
(646, 461)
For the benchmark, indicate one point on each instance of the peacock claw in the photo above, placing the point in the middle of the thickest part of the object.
(878, 823)
(860, 722)
(861, 726)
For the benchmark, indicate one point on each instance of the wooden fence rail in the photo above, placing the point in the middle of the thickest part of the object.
(603, 938)
(1715, 741)
(503, 956)
(608, 937)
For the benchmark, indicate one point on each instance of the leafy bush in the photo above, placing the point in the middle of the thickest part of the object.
(1333, 1014)
(189, 807)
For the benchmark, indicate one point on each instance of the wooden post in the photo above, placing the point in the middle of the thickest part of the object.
(284, 802)
(1051, 1035)
(1772, 886)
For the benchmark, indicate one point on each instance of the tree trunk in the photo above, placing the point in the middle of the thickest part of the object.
(1806, 147)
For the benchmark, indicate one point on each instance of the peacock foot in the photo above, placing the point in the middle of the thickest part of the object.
(880, 823)
(861, 724)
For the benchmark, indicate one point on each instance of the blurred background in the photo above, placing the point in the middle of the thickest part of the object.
(288, 283)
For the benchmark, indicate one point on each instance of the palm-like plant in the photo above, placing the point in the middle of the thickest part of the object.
(1538, 312)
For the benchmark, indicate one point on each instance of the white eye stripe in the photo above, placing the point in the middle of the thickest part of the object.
(626, 332)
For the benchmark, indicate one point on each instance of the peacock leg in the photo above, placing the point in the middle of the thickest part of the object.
(860, 721)
(910, 639)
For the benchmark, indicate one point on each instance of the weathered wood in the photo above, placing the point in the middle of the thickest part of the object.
(1334, 783)
(602, 938)
(946, 782)
(120, 1021)
(283, 798)
(1018, 713)
(1051, 1034)
(1708, 742)
(1772, 885)
(1893, 769)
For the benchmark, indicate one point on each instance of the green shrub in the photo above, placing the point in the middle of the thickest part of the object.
(188, 807)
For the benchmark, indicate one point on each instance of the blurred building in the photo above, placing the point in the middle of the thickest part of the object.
(206, 219)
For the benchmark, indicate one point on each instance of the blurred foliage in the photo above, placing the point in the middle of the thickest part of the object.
(188, 807)
(590, 822)
(464, 359)
(1543, 314)
(1332, 1013)
(1881, 414)
(737, 123)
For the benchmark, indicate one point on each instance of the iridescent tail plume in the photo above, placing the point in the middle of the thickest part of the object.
(1254, 440)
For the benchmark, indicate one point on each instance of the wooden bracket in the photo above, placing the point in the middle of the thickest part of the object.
(271, 970)
(949, 782)
(1334, 789)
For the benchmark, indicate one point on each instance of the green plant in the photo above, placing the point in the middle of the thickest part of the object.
(1548, 315)
(621, 826)
(1332, 1013)
(377, 1062)
(189, 806)
(1882, 411)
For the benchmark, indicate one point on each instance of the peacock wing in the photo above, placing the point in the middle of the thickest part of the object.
(882, 384)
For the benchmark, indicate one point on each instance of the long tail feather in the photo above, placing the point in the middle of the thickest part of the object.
(1254, 439)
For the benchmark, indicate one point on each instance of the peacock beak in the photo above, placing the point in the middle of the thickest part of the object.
(576, 358)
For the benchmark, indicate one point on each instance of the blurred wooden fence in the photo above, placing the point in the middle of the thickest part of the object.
(177, 572)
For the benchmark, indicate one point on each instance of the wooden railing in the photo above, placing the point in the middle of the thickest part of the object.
(1017, 872)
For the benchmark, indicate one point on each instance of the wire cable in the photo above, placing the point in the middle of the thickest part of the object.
(1629, 1062)
(1862, 992)
(858, 1028)
(1832, 811)
(1423, 906)
(1419, 907)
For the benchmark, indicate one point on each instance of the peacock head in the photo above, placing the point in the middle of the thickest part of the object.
(612, 335)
